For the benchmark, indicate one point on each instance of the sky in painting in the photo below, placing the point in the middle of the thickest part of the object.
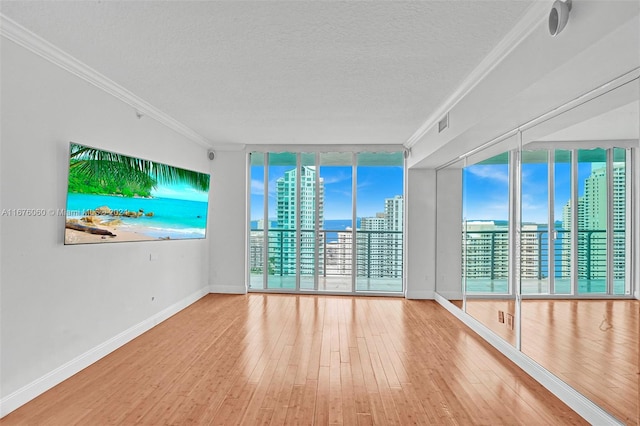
(179, 191)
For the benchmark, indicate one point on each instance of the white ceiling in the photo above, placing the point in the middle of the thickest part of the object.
(281, 72)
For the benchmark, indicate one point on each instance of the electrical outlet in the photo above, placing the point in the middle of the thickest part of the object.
(501, 317)
(510, 321)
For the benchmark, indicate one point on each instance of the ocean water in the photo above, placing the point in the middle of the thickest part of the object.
(171, 218)
(329, 225)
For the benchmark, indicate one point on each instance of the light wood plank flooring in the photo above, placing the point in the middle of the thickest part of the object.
(593, 345)
(298, 359)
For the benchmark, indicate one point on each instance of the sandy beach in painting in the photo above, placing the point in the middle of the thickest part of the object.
(72, 236)
(134, 219)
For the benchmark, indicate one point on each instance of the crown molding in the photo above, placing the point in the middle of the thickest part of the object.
(326, 148)
(13, 31)
(536, 14)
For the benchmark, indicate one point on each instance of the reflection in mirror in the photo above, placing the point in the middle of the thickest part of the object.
(535, 250)
(485, 245)
(578, 317)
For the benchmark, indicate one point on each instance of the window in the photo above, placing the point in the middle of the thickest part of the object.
(305, 219)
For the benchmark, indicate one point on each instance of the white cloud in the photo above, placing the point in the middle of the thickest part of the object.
(341, 177)
(489, 172)
(364, 184)
(257, 187)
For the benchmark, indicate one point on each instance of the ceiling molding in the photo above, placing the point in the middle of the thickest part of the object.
(229, 146)
(13, 31)
(325, 148)
(536, 14)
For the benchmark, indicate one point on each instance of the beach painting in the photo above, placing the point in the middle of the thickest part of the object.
(115, 198)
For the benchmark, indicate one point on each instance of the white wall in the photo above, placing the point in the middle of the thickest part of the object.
(448, 226)
(636, 209)
(229, 225)
(63, 306)
(420, 234)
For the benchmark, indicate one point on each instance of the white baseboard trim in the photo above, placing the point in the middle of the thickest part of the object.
(60, 374)
(227, 289)
(451, 295)
(574, 399)
(419, 294)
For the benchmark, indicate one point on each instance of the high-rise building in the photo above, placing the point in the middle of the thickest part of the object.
(283, 248)
(380, 241)
(592, 225)
(376, 223)
(338, 254)
(486, 251)
(532, 265)
(394, 213)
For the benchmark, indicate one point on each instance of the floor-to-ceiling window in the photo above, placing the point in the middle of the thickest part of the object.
(308, 209)
(380, 215)
(258, 261)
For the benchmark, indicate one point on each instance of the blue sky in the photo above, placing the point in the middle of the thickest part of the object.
(486, 191)
(374, 185)
(180, 191)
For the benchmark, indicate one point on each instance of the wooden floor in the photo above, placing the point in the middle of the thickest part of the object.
(288, 359)
(593, 345)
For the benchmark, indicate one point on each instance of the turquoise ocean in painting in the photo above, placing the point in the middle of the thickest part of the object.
(172, 218)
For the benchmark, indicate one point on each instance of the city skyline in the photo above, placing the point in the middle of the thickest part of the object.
(300, 201)
(374, 184)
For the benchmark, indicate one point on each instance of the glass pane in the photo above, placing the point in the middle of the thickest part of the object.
(282, 244)
(621, 285)
(256, 238)
(379, 210)
(534, 235)
(485, 210)
(335, 259)
(308, 246)
(562, 218)
(592, 221)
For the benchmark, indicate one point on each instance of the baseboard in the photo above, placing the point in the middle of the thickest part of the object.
(227, 289)
(419, 294)
(49, 380)
(451, 295)
(574, 399)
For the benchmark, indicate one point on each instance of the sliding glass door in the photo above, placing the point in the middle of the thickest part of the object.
(326, 222)
(380, 213)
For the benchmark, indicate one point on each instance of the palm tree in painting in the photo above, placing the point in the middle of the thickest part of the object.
(107, 166)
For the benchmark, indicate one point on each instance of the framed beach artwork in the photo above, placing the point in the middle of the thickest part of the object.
(114, 198)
